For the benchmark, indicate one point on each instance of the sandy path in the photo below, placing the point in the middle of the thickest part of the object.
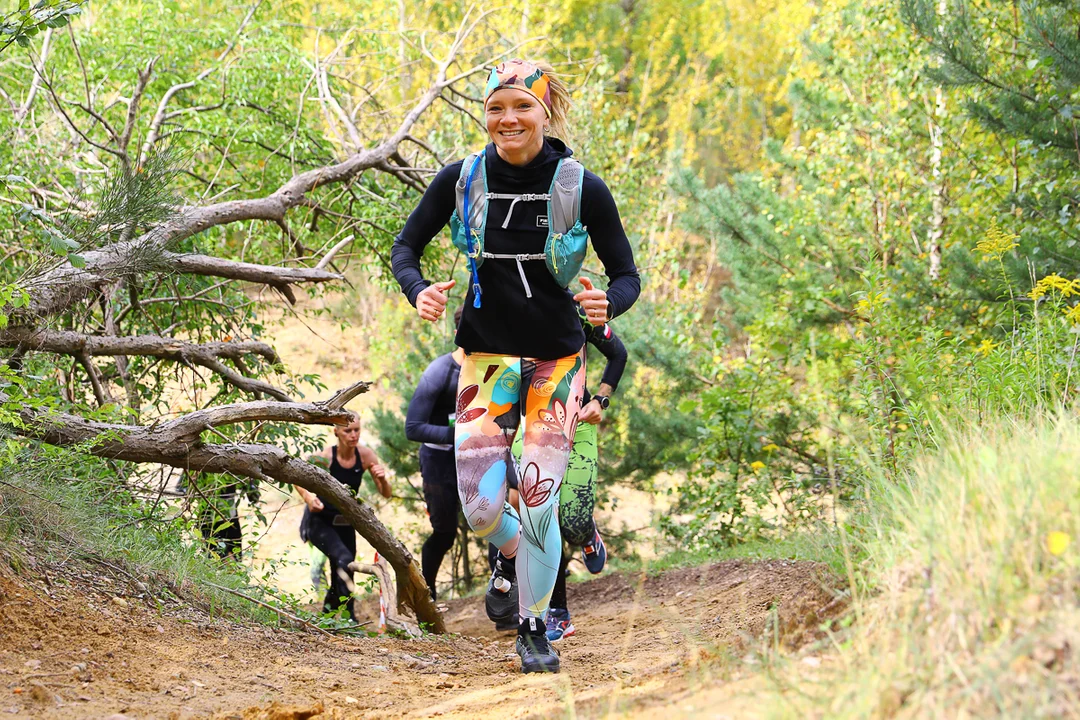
(646, 646)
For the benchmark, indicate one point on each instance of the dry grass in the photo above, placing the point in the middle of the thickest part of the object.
(973, 610)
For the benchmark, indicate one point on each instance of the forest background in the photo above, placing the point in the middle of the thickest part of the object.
(854, 222)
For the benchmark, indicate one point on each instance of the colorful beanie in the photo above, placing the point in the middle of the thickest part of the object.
(520, 75)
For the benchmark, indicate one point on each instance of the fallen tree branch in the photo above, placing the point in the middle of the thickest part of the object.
(68, 342)
(58, 289)
(136, 443)
(207, 355)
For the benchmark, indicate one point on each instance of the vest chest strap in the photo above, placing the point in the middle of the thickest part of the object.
(515, 199)
(520, 258)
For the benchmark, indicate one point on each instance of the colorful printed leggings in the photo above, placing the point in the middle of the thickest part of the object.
(495, 393)
(577, 496)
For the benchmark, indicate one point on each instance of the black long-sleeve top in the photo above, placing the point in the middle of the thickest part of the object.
(545, 326)
(433, 402)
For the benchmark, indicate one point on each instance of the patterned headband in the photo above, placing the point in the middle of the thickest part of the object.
(521, 75)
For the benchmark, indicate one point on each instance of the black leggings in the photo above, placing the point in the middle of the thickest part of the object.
(440, 493)
(338, 543)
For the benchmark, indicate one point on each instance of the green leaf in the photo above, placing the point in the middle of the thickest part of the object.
(76, 260)
(687, 405)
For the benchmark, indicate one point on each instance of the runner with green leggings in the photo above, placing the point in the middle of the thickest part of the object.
(577, 496)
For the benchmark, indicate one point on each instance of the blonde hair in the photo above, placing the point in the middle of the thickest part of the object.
(354, 417)
(560, 101)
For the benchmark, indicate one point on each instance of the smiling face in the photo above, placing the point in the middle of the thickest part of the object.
(515, 122)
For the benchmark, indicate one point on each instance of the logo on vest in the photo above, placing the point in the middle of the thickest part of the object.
(541, 221)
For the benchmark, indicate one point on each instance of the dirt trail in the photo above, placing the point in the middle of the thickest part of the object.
(646, 646)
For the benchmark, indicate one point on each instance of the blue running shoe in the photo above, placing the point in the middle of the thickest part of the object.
(558, 624)
(595, 554)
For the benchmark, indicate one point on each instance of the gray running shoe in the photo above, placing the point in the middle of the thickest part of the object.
(501, 599)
(533, 648)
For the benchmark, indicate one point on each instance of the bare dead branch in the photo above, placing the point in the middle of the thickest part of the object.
(240, 30)
(207, 355)
(463, 110)
(427, 147)
(54, 291)
(101, 392)
(334, 251)
(133, 107)
(328, 412)
(82, 66)
(35, 84)
(288, 616)
(58, 103)
(345, 395)
(153, 134)
(68, 342)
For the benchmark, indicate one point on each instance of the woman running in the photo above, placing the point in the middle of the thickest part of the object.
(519, 210)
(326, 528)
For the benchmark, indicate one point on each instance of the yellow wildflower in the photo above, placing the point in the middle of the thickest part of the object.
(985, 347)
(996, 242)
(771, 447)
(1057, 542)
(1073, 314)
(1067, 288)
(757, 465)
(870, 302)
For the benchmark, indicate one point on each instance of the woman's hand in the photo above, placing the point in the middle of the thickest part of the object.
(314, 503)
(591, 413)
(592, 300)
(431, 302)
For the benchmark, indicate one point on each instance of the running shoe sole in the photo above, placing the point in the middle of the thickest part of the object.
(596, 560)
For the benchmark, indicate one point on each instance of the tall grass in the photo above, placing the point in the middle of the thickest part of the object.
(970, 578)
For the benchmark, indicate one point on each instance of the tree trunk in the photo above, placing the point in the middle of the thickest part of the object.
(937, 177)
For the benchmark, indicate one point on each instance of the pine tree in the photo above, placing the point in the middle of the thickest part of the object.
(1020, 62)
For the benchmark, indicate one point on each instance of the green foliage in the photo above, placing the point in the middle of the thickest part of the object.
(1017, 64)
(836, 341)
(22, 24)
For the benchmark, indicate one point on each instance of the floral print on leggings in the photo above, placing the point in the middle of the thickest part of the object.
(496, 393)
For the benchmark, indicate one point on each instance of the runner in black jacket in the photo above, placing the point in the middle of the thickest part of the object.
(429, 421)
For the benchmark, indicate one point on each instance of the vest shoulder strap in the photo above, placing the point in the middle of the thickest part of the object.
(564, 207)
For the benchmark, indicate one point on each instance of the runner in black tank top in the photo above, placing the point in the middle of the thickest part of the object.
(326, 528)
